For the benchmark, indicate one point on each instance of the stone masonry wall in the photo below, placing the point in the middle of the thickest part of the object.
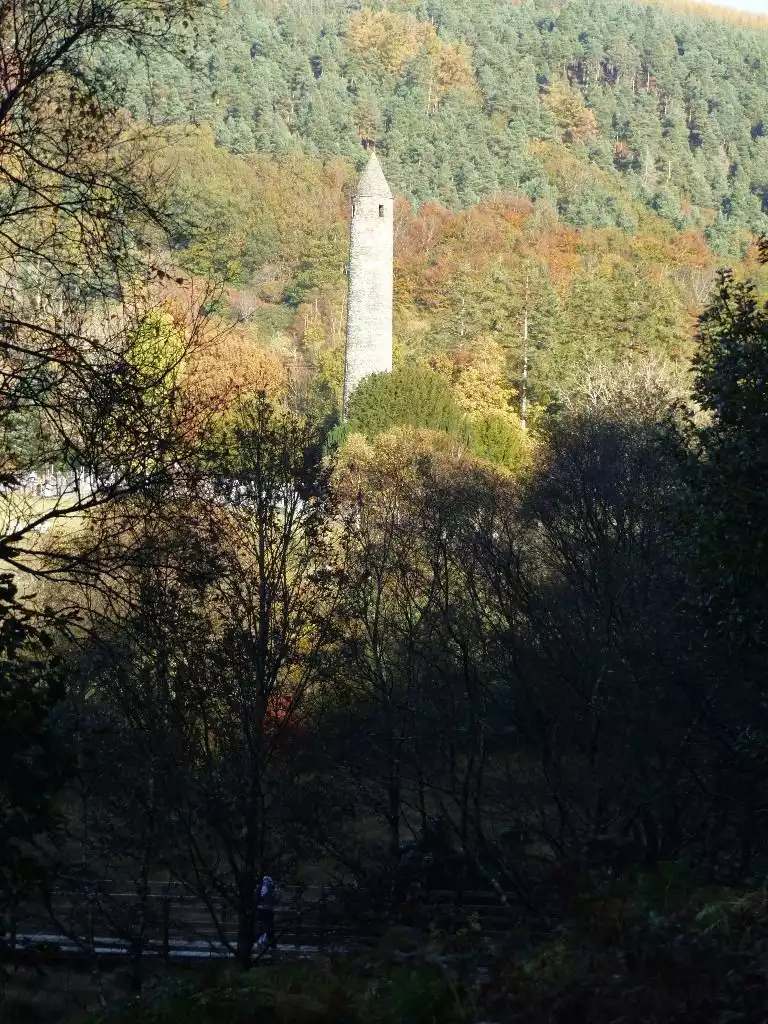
(369, 310)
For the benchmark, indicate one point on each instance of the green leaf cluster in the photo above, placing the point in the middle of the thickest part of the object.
(411, 396)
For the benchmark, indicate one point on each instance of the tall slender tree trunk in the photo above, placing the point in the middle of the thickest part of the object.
(248, 891)
(246, 926)
(524, 389)
(393, 812)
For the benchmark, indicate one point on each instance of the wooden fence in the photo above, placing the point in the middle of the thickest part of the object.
(169, 920)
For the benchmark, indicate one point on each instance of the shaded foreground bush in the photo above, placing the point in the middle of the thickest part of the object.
(316, 994)
(657, 950)
(650, 953)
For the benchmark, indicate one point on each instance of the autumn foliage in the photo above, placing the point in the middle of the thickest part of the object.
(231, 365)
(398, 40)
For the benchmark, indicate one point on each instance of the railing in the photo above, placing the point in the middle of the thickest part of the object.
(170, 921)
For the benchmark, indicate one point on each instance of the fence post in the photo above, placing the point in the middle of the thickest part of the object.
(166, 923)
(91, 939)
(298, 931)
(13, 923)
(322, 920)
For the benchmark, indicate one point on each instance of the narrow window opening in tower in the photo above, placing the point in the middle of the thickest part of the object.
(381, 211)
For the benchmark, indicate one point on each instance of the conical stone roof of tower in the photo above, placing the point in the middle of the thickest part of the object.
(372, 181)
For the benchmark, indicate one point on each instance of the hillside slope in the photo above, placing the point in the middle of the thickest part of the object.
(588, 166)
(661, 108)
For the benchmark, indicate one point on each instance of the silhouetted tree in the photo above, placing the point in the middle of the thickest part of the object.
(80, 204)
(34, 760)
(212, 673)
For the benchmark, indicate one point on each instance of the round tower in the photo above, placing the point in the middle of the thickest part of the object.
(369, 304)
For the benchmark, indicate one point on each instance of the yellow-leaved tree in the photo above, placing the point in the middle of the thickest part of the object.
(398, 40)
(229, 367)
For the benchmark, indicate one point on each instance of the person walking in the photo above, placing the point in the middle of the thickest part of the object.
(267, 901)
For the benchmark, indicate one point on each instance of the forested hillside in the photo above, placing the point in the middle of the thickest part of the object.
(662, 109)
(590, 166)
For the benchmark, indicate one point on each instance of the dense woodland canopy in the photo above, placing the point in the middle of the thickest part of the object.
(589, 166)
(503, 630)
(471, 99)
